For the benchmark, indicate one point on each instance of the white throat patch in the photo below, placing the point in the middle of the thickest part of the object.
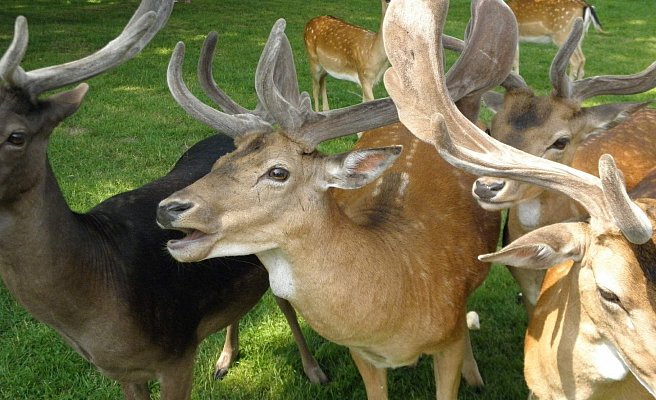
(528, 213)
(281, 277)
(608, 363)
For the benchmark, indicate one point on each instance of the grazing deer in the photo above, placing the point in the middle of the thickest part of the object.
(544, 21)
(344, 51)
(592, 334)
(101, 279)
(557, 127)
(384, 232)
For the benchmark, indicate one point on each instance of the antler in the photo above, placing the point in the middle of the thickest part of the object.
(597, 85)
(417, 85)
(280, 101)
(293, 110)
(150, 17)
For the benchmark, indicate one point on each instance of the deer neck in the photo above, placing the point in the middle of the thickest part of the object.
(546, 209)
(322, 267)
(39, 235)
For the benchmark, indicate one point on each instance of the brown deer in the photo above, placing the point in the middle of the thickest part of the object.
(558, 127)
(101, 279)
(357, 245)
(544, 21)
(592, 333)
(344, 51)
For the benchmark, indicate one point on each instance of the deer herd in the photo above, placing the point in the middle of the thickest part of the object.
(378, 247)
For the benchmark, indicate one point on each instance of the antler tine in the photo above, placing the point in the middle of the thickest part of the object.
(10, 70)
(615, 84)
(632, 221)
(277, 87)
(231, 125)
(212, 90)
(558, 72)
(147, 20)
(490, 49)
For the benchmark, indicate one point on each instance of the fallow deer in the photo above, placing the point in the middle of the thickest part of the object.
(379, 268)
(543, 21)
(101, 279)
(558, 127)
(593, 335)
(344, 51)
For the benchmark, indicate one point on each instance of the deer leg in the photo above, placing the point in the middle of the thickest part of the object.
(447, 366)
(367, 90)
(135, 391)
(177, 379)
(310, 365)
(576, 64)
(515, 66)
(469, 366)
(324, 92)
(375, 379)
(230, 351)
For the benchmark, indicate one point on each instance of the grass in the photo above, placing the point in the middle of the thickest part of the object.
(130, 131)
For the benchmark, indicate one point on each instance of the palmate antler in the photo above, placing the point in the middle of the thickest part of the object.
(149, 18)
(416, 83)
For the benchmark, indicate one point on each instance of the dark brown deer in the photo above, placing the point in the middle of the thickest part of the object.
(101, 279)
(558, 127)
(592, 333)
(330, 242)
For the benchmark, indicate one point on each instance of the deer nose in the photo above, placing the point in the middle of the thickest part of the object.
(488, 189)
(169, 212)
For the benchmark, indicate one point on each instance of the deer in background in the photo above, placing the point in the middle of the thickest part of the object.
(592, 333)
(100, 279)
(544, 21)
(380, 221)
(557, 127)
(344, 51)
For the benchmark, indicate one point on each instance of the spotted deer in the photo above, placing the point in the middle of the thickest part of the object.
(101, 279)
(344, 51)
(544, 21)
(592, 332)
(357, 245)
(558, 127)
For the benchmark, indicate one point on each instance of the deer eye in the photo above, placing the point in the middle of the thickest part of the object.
(16, 138)
(609, 296)
(560, 144)
(279, 174)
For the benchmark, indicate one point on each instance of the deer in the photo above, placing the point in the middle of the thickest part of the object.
(542, 21)
(592, 332)
(101, 279)
(344, 51)
(370, 206)
(558, 127)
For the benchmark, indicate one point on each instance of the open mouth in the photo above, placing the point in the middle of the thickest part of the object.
(192, 237)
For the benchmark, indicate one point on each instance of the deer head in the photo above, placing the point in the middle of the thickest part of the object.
(613, 251)
(276, 161)
(28, 120)
(554, 126)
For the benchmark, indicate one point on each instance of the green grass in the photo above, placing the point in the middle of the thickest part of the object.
(130, 131)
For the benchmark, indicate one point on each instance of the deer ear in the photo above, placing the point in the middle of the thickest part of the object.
(64, 104)
(493, 101)
(600, 118)
(356, 168)
(544, 247)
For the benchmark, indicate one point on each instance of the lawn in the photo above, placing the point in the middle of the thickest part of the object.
(130, 131)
